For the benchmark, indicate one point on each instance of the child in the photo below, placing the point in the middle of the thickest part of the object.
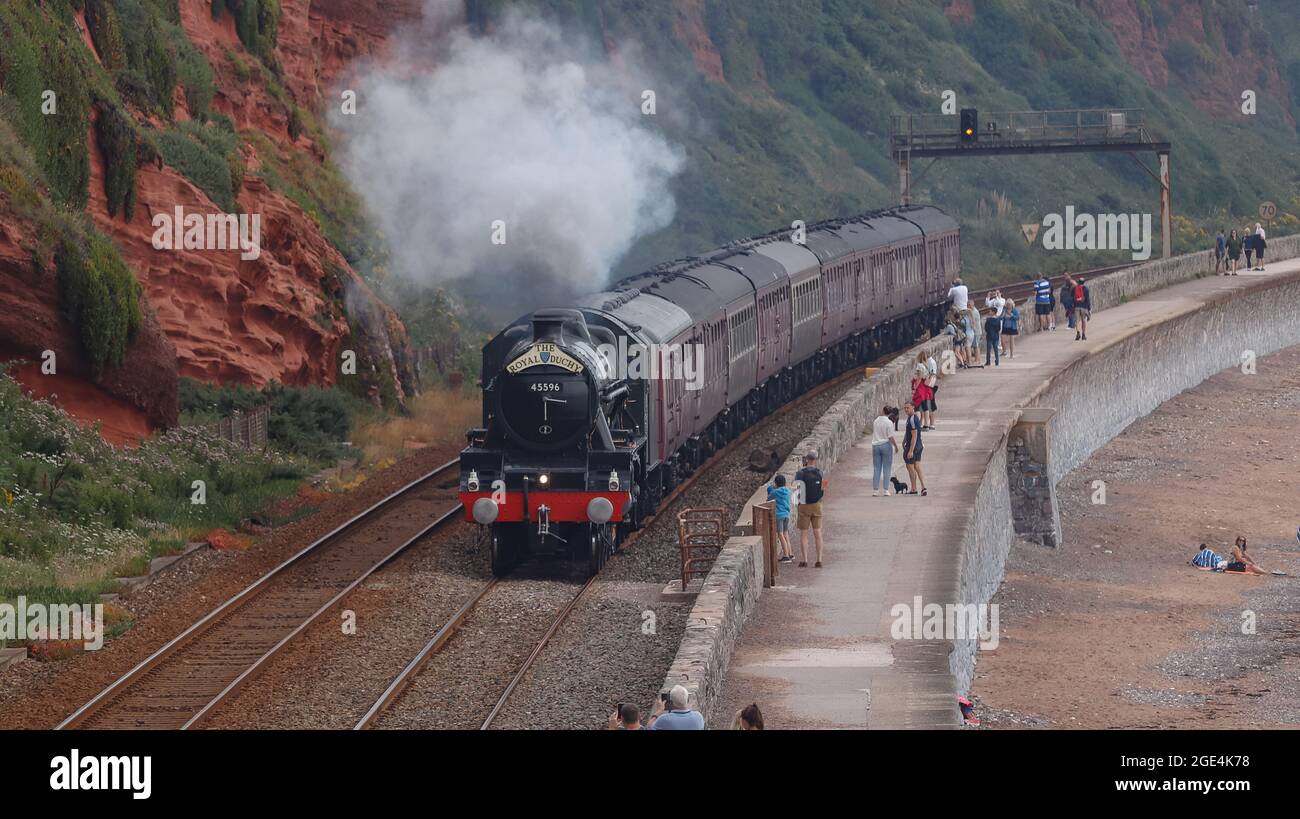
(781, 494)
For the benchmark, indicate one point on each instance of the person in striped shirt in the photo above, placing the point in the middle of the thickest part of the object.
(1207, 559)
(1043, 301)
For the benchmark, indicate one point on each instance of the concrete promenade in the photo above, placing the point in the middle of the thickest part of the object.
(817, 651)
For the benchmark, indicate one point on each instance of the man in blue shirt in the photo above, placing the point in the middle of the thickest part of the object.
(1042, 301)
(680, 718)
(1207, 559)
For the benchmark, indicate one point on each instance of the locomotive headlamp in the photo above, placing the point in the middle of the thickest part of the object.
(471, 483)
(485, 511)
(600, 510)
(544, 479)
(613, 481)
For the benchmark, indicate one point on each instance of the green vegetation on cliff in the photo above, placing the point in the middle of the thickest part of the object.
(798, 127)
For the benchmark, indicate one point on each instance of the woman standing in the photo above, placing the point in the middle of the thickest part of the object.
(976, 335)
(883, 447)
(967, 339)
(1234, 250)
(922, 369)
(912, 450)
(932, 381)
(1260, 244)
(1011, 326)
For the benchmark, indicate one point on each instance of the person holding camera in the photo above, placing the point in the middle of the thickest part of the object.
(680, 718)
(626, 717)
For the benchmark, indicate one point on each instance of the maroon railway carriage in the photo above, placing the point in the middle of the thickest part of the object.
(578, 446)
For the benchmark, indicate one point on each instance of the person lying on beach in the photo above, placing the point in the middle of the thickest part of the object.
(1242, 562)
(1206, 558)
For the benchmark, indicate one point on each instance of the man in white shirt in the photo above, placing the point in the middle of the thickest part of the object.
(959, 295)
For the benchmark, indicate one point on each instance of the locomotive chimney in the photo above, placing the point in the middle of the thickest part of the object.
(548, 325)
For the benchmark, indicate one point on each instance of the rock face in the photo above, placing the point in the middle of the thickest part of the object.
(1236, 64)
(690, 28)
(127, 400)
(210, 314)
(230, 319)
(319, 39)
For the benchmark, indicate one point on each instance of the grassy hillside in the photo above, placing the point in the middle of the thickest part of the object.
(798, 128)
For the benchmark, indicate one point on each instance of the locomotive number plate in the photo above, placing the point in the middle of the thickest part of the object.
(545, 386)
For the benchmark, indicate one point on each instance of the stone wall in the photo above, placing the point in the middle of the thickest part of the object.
(1095, 399)
(729, 595)
(732, 587)
(1098, 396)
(984, 547)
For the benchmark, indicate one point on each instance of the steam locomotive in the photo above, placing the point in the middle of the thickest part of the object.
(593, 413)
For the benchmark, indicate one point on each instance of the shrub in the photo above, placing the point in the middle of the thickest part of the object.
(134, 88)
(304, 420)
(40, 54)
(82, 512)
(194, 150)
(194, 74)
(1184, 57)
(116, 135)
(106, 33)
(100, 297)
(150, 49)
(257, 23)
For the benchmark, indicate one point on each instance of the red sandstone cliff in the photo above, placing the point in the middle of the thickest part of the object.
(1214, 87)
(126, 400)
(209, 314)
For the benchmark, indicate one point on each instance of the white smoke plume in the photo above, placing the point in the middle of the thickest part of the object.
(523, 125)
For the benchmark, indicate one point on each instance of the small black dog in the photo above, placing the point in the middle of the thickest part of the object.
(899, 486)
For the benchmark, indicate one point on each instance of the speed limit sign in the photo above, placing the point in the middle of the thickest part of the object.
(1267, 211)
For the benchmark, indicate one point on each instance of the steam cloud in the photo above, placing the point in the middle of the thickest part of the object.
(520, 125)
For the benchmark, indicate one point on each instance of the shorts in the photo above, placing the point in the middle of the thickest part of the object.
(1235, 567)
(915, 458)
(1010, 331)
(1082, 314)
(926, 406)
(1043, 309)
(810, 515)
(783, 524)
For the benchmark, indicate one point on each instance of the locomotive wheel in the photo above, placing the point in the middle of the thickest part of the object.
(503, 552)
(598, 548)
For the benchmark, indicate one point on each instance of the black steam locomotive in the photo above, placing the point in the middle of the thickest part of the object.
(593, 413)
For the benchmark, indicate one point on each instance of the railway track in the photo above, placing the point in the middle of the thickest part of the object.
(1021, 291)
(442, 637)
(182, 683)
(185, 681)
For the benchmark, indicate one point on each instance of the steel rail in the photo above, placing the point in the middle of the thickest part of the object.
(254, 590)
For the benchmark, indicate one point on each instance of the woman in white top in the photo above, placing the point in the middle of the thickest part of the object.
(977, 331)
(883, 447)
(1260, 244)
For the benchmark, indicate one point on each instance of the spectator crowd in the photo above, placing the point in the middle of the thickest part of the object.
(991, 329)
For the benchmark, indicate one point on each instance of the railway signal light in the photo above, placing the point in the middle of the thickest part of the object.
(970, 124)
